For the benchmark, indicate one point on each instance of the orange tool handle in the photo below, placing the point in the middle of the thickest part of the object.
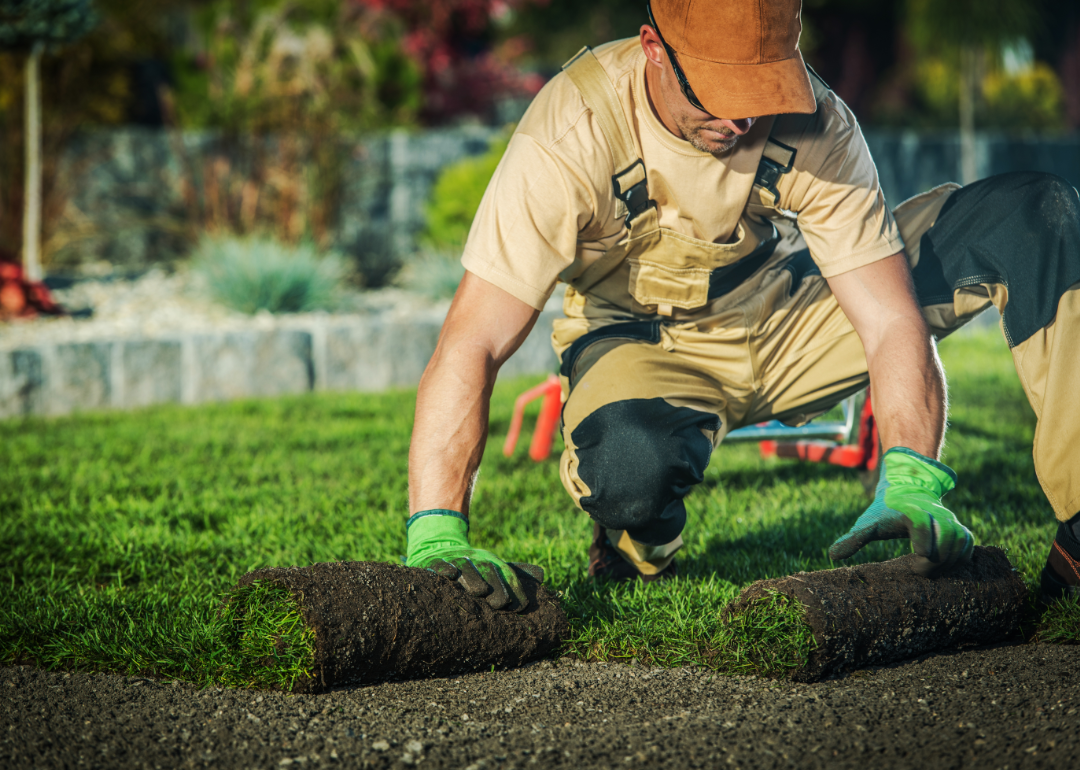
(546, 389)
(544, 436)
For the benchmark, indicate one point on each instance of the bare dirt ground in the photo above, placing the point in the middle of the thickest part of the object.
(1003, 707)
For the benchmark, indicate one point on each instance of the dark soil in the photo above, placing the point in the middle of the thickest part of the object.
(376, 621)
(1004, 707)
(880, 613)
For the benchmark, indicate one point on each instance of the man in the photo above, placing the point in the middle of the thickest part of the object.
(730, 259)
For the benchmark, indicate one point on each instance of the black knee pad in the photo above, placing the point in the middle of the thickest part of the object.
(1021, 230)
(639, 458)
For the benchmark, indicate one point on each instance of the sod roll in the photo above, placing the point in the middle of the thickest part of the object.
(874, 614)
(374, 621)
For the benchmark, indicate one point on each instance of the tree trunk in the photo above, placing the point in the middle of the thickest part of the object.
(32, 190)
(969, 85)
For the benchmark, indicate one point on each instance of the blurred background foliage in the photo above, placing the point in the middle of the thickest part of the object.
(456, 197)
(268, 65)
(285, 83)
(272, 65)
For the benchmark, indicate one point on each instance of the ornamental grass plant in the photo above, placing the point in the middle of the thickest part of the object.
(253, 273)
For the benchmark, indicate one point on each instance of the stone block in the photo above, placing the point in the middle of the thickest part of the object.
(535, 356)
(245, 364)
(375, 354)
(150, 373)
(78, 376)
(21, 383)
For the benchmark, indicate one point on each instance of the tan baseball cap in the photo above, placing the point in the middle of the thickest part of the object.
(741, 57)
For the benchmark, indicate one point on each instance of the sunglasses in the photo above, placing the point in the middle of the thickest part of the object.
(684, 84)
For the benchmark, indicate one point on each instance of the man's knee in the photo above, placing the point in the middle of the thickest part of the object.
(639, 458)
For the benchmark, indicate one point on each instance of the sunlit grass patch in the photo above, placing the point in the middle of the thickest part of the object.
(1060, 622)
(264, 630)
(123, 532)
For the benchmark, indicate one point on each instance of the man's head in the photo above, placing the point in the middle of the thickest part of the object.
(737, 58)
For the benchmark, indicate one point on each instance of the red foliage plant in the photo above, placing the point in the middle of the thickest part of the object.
(451, 40)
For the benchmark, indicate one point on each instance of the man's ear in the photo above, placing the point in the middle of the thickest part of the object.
(651, 45)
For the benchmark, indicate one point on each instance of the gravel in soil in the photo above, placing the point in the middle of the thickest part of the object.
(1003, 707)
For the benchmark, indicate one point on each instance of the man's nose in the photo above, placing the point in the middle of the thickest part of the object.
(738, 127)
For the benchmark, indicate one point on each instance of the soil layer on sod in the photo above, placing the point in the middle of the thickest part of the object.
(1010, 706)
(374, 621)
(873, 614)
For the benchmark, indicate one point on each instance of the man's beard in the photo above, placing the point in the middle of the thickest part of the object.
(694, 132)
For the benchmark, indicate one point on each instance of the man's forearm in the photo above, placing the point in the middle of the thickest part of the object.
(906, 377)
(450, 429)
(484, 327)
(908, 387)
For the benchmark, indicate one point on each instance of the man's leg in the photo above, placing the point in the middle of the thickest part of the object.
(1017, 238)
(639, 426)
(1012, 241)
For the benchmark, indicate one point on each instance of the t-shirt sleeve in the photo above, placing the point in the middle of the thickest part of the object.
(526, 229)
(834, 189)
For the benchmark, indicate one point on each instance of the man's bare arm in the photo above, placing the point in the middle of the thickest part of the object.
(484, 327)
(909, 404)
(905, 373)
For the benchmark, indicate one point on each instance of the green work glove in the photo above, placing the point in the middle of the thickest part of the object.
(908, 504)
(438, 540)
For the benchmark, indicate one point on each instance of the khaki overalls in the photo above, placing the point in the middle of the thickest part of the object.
(670, 342)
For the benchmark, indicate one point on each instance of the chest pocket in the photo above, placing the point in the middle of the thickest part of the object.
(654, 269)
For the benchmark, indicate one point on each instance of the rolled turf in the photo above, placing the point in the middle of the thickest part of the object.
(875, 614)
(370, 621)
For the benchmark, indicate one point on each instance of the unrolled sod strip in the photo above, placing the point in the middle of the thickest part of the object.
(374, 621)
(874, 614)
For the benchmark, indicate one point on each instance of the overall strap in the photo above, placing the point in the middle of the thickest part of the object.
(777, 159)
(629, 182)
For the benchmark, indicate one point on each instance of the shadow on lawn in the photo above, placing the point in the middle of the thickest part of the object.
(1007, 443)
(800, 543)
(778, 475)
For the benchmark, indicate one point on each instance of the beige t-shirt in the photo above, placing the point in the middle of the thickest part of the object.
(550, 208)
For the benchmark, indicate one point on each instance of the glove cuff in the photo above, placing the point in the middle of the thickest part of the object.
(442, 527)
(435, 512)
(901, 465)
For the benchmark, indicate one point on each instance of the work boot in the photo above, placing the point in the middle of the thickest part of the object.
(606, 562)
(1061, 575)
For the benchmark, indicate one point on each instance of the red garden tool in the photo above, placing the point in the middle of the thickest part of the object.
(544, 435)
(862, 453)
(850, 443)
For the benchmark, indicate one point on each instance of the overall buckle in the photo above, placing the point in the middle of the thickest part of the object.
(636, 194)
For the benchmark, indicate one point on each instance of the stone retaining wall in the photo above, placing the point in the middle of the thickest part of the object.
(125, 185)
(126, 191)
(348, 353)
(334, 353)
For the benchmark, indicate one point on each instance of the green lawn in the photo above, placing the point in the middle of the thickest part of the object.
(121, 532)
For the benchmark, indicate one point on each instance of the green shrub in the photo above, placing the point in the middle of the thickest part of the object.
(257, 273)
(456, 196)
